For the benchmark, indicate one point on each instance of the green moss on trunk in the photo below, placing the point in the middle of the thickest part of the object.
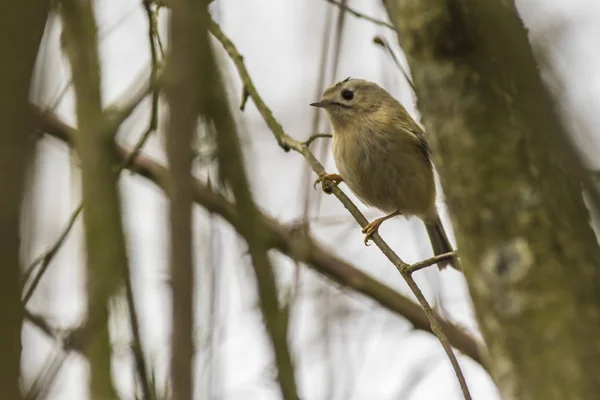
(512, 187)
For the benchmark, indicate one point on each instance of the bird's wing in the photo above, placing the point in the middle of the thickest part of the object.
(415, 131)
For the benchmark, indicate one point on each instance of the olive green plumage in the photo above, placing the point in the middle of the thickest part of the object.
(382, 154)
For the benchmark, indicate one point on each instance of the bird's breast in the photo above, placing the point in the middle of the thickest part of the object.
(384, 171)
(359, 161)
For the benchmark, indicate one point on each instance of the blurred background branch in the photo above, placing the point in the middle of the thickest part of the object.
(531, 263)
(286, 142)
(182, 80)
(107, 262)
(292, 242)
(22, 26)
(222, 305)
(215, 108)
(360, 15)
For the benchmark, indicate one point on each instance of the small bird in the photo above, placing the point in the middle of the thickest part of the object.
(383, 156)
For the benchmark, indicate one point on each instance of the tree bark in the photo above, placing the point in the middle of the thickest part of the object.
(21, 29)
(182, 94)
(513, 189)
(105, 242)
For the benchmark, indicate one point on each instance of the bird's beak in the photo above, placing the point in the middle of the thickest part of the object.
(322, 104)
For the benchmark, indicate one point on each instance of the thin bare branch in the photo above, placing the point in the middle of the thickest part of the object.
(360, 15)
(129, 101)
(430, 261)
(382, 42)
(292, 242)
(287, 143)
(305, 178)
(312, 138)
(230, 159)
(44, 260)
(153, 35)
(245, 96)
(124, 106)
(137, 349)
(42, 385)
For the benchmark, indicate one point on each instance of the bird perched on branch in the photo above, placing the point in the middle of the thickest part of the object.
(383, 157)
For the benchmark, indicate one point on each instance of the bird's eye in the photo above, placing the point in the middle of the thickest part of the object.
(347, 94)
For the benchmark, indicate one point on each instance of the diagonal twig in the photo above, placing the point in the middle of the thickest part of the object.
(289, 241)
(382, 42)
(288, 143)
(233, 172)
(360, 15)
(46, 258)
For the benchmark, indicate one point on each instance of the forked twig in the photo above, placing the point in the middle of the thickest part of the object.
(312, 138)
(430, 261)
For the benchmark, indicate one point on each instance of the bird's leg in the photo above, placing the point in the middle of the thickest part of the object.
(372, 227)
(327, 180)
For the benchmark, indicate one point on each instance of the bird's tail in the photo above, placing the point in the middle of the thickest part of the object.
(441, 244)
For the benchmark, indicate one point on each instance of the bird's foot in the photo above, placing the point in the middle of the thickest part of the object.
(371, 228)
(327, 181)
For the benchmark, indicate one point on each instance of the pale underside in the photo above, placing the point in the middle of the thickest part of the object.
(383, 174)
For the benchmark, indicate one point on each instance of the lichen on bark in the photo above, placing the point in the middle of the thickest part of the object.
(513, 187)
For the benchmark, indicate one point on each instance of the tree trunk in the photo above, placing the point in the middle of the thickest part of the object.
(21, 29)
(513, 189)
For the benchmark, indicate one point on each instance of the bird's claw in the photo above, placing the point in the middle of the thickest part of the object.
(327, 181)
(370, 229)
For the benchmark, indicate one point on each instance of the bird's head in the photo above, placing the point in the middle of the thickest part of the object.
(353, 101)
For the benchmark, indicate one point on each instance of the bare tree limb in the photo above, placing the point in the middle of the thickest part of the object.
(182, 94)
(22, 26)
(128, 102)
(43, 261)
(287, 143)
(215, 108)
(106, 253)
(289, 241)
(137, 349)
(360, 15)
